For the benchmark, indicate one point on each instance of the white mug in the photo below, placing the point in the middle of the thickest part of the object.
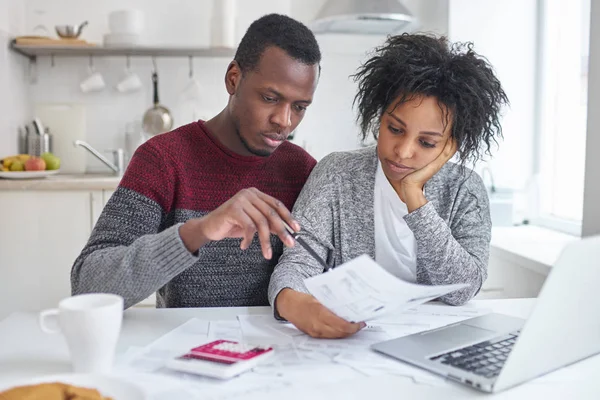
(93, 83)
(131, 82)
(91, 324)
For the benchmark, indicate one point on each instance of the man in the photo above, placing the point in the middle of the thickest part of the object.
(175, 222)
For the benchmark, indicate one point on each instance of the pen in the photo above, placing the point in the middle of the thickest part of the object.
(297, 238)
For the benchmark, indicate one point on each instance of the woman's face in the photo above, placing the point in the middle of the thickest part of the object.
(411, 136)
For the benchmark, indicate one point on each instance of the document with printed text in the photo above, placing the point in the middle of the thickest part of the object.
(362, 290)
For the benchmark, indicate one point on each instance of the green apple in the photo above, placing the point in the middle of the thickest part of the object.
(52, 162)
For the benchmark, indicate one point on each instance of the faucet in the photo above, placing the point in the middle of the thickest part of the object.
(118, 166)
(489, 172)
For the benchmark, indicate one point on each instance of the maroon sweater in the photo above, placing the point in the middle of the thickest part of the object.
(135, 248)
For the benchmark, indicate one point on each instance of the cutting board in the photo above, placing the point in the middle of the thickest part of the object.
(67, 123)
(48, 41)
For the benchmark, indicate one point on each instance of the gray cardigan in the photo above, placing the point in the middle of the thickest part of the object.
(452, 231)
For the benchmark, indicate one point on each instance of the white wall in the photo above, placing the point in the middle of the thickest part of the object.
(13, 78)
(505, 33)
(329, 125)
(591, 200)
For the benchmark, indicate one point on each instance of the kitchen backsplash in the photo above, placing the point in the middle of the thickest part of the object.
(108, 112)
(14, 101)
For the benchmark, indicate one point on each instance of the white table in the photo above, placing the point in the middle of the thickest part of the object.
(26, 352)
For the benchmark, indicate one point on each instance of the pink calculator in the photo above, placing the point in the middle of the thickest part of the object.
(221, 359)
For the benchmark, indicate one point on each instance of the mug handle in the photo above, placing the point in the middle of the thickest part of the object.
(42, 318)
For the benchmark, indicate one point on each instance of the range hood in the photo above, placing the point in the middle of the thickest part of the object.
(377, 17)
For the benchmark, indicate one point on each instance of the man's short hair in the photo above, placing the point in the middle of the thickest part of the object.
(281, 31)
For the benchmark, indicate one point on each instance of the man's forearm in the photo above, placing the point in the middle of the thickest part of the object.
(135, 271)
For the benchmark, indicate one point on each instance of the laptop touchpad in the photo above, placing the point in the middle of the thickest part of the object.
(457, 335)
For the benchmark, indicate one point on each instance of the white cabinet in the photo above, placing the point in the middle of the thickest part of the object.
(510, 277)
(41, 235)
(42, 232)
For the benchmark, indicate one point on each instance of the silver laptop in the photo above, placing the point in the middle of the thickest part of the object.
(495, 352)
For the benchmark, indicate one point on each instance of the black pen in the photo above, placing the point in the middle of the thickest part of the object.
(297, 238)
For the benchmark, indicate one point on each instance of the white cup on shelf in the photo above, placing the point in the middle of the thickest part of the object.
(91, 324)
(130, 21)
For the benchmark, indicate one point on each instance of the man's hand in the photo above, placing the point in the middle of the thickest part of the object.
(311, 317)
(411, 186)
(246, 213)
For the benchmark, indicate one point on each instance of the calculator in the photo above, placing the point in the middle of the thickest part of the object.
(222, 359)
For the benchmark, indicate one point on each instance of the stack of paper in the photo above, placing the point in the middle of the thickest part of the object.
(299, 361)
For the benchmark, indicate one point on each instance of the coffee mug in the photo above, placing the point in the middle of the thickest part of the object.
(131, 82)
(93, 83)
(91, 324)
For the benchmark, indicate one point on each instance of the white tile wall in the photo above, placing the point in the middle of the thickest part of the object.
(14, 90)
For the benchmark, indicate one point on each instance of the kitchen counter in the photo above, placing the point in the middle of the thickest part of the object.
(63, 182)
(529, 246)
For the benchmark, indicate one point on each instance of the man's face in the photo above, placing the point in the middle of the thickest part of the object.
(268, 102)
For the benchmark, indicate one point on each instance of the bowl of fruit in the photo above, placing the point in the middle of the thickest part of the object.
(25, 166)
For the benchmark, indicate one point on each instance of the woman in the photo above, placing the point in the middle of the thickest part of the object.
(421, 217)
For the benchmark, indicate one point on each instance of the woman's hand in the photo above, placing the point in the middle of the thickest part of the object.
(411, 186)
(313, 318)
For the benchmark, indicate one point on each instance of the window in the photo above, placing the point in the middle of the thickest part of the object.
(564, 48)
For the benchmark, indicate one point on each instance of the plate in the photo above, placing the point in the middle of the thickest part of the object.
(27, 174)
(108, 386)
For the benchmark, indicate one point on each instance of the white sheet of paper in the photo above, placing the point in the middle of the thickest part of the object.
(360, 341)
(190, 334)
(226, 330)
(443, 310)
(361, 290)
(371, 363)
(266, 330)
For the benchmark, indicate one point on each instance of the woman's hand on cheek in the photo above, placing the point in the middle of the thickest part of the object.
(411, 188)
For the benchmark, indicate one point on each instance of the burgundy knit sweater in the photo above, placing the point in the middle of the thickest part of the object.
(135, 248)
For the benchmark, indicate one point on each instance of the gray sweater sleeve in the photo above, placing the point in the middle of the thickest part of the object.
(131, 251)
(127, 254)
(315, 211)
(455, 253)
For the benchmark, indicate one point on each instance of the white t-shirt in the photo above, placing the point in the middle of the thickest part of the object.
(395, 244)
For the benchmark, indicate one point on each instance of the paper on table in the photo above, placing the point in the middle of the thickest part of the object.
(190, 334)
(226, 330)
(264, 329)
(361, 290)
(360, 340)
(371, 363)
(303, 362)
(442, 310)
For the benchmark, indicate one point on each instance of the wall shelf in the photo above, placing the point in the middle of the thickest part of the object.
(33, 51)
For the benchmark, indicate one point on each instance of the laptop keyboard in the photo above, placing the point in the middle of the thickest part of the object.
(484, 359)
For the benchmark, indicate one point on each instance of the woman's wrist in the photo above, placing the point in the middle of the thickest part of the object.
(414, 198)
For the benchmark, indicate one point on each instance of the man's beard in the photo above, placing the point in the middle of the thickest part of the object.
(256, 152)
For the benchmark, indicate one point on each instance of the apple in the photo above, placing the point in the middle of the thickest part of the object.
(52, 162)
(35, 164)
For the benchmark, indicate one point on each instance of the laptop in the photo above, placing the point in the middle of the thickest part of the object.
(495, 352)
